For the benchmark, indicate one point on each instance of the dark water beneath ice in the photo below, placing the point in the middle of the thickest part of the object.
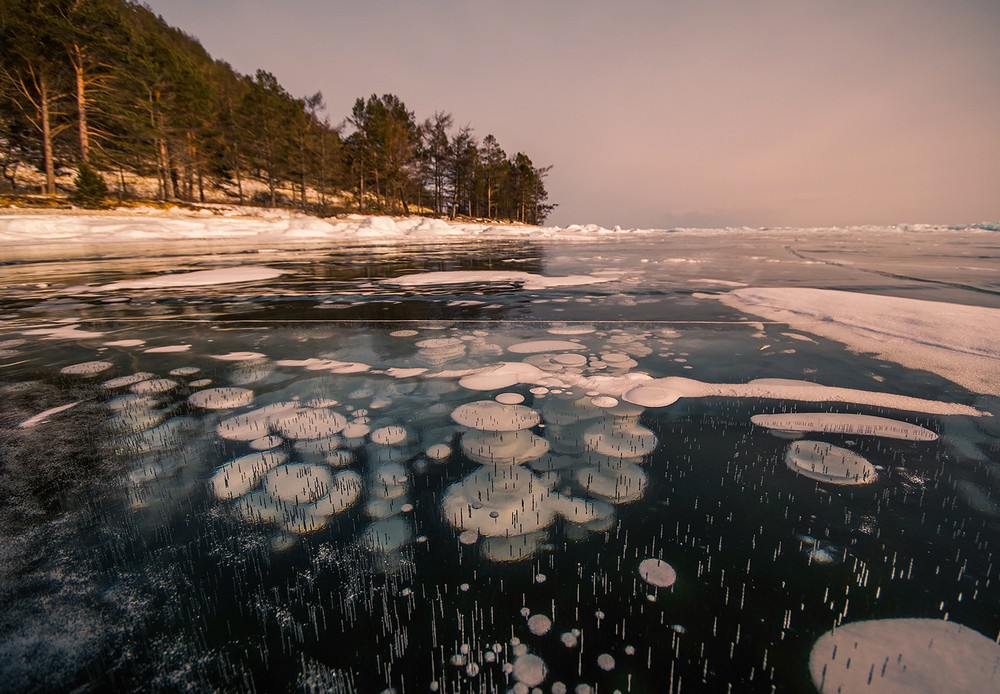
(123, 569)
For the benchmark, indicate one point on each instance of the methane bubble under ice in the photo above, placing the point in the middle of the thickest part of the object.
(539, 346)
(905, 655)
(825, 462)
(254, 424)
(657, 572)
(221, 398)
(489, 415)
(392, 435)
(619, 481)
(620, 438)
(309, 423)
(852, 424)
(298, 482)
(509, 398)
(505, 502)
(129, 380)
(529, 669)
(87, 368)
(438, 451)
(154, 386)
(651, 396)
(539, 624)
(239, 476)
(503, 448)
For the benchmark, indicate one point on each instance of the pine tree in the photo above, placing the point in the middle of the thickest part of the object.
(433, 154)
(463, 157)
(35, 78)
(89, 189)
(492, 171)
(109, 84)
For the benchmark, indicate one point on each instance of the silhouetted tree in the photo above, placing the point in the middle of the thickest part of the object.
(146, 98)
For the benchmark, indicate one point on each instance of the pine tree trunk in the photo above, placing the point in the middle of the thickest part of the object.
(76, 58)
(271, 183)
(322, 172)
(302, 164)
(192, 153)
(175, 178)
(168, 182)
(50, 169)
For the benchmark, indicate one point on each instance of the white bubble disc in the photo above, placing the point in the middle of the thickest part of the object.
(489, 415)
(509, 398)
(539, 624)
(904, 655)
(530, 670)
(299, 482)
(825, 462)
(657, 572)
(87, 368)
(390, 436)
(221, 398)
(439, 451)
(651, 396)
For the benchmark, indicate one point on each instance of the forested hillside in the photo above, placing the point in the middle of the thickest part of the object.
(108, 85)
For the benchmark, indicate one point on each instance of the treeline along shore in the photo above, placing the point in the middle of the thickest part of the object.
(107, 90)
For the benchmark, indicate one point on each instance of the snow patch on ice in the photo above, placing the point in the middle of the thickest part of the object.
(42, 416)
(525, 280)
(960, 343)
(200, 278)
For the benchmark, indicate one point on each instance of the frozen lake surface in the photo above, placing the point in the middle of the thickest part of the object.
(502, 463)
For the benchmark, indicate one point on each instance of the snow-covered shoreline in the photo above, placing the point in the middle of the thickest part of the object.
(34, 227)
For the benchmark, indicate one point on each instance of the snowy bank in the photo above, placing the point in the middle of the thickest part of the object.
(960, 343)
(31, 228)
(258, 225)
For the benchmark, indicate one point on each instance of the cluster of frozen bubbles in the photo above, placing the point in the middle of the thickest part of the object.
(574, 454)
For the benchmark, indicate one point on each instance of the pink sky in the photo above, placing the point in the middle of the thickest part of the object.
(665, 113)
